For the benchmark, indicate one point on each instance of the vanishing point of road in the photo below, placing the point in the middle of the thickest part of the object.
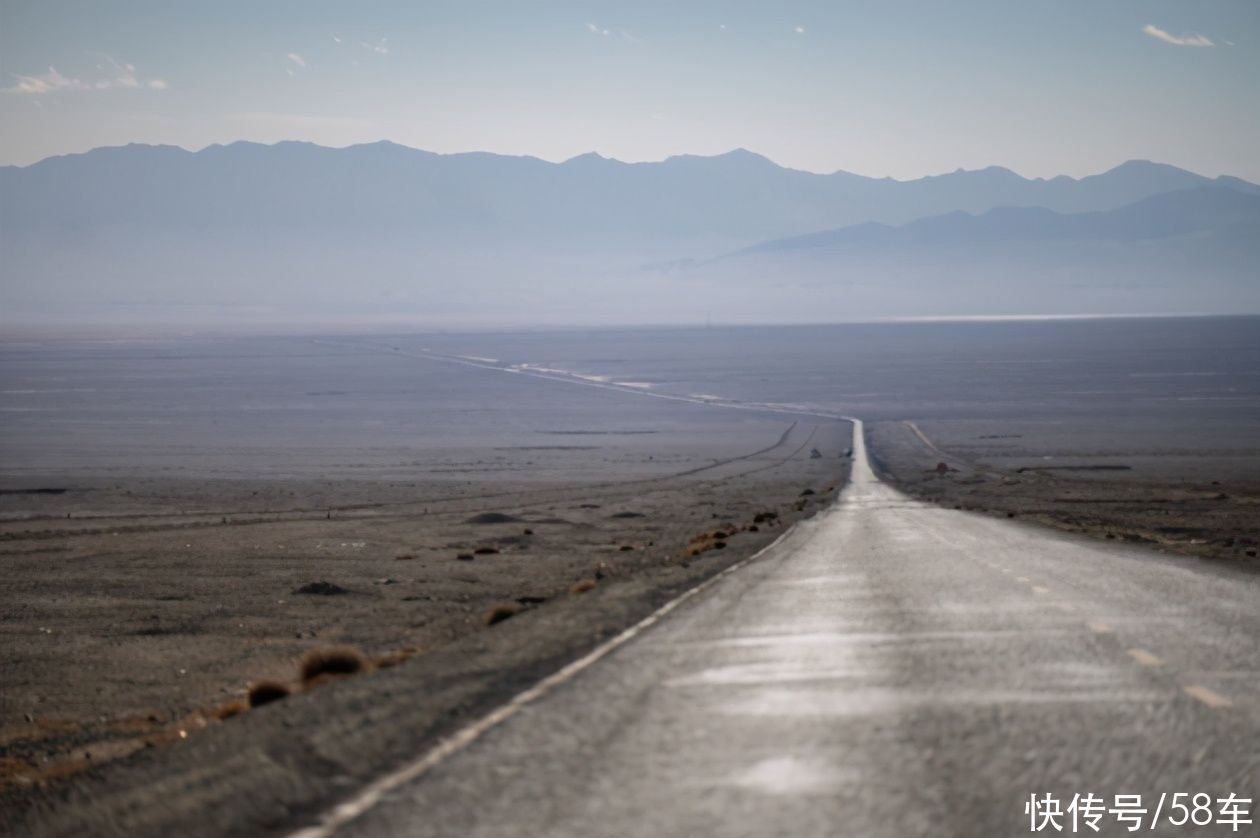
(888, 668)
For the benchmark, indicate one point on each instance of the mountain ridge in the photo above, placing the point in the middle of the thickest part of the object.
(138, 231)
(736, 153)
(657, 210)
(1166, 214)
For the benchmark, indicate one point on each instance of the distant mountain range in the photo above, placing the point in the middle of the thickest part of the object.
(734, 198)
(1211, 209)
(385, 228)
(1189, 251)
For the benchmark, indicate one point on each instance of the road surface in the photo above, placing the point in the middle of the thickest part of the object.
(889, 668)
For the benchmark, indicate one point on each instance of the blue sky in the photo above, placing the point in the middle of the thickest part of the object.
(879, 88)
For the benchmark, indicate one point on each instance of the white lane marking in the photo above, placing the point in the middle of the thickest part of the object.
(779, 703)
(755, 675)
(851, 579)
(372, 794)
(1038, 589)
(1145, 658)
(1209, 697)
(1021, 578)
(858, 638)
(1098, 627)
(791, 775)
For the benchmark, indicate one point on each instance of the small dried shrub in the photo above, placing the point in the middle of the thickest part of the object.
(336, 661)
(265, 692)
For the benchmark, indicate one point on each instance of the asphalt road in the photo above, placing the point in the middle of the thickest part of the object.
(888, 668)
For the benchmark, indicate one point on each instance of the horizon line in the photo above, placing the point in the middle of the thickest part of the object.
(596, 154)
(74, 329)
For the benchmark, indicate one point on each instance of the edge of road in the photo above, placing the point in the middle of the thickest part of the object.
(367, 797)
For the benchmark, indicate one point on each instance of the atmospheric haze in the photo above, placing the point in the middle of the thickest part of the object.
(382, 233)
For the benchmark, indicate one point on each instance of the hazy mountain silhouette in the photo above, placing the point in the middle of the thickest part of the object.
(1189, 251)
(720, 202)
(1215, 209)
(248, 230)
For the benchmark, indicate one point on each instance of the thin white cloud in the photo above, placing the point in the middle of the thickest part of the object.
(615, 34)
(336, 40)
(380, 48)
(118, 76)
(296, 59)
(1194, 40)
(124, 75)
(799, 30)
(49, 82)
